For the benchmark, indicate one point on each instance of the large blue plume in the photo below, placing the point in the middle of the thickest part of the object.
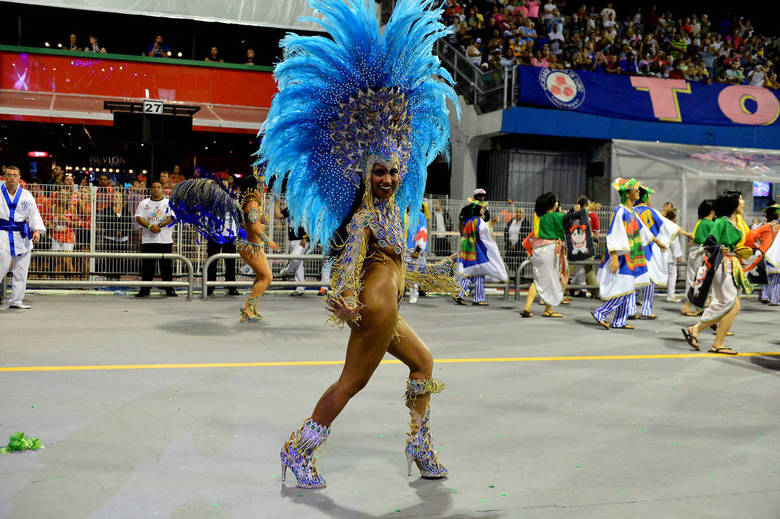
(208, 206)
(318, 73)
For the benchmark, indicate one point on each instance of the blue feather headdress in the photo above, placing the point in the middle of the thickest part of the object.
(362, 97)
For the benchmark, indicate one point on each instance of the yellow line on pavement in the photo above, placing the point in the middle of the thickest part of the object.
(485, 360)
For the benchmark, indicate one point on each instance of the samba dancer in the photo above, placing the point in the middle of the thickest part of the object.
(357, 120)
(623, 267)
(656, 252)
(730, 232)
(696, 252)
(210, 207)
(548, 256)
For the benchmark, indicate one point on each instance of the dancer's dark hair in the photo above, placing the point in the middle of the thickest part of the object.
(544, 203)
(727, 202)
(772, 213)
(705, 208)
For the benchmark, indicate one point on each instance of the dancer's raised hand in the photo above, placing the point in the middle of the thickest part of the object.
(342, 310)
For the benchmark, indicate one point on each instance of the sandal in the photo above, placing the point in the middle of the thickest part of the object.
(605, 324)
(725, 350)
(552, 314)
(633, 317)
(649, 317)
(690, 339)
(481, 303)
(691, 313)
(624, 327)
(526, 313)
(459, 300)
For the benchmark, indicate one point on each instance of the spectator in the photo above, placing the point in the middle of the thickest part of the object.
(177, 175)
(250, 57)
(56, 176)
(60, 223)
(538, 60)
(116, 227)
(73, 43)
(298, 243)
(228, 247)
(473, 53)
(165, 180)
(94, 46)
(771, 81)
(513, 238)
(734, 74)
(158, 49)
(155, 217)
(533, 9)
(608, 14)
(756, 77)
(214, 55)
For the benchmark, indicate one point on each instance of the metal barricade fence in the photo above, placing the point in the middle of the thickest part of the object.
(102, 220)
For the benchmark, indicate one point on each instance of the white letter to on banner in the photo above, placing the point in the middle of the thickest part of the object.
(663, 95)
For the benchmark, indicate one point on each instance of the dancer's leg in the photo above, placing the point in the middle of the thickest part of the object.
(773, 292)
(529, 300)
(263, 278)
(409, 349)
(647, 300)
(479, 289)
(724, 325)
(368, 342)
(622, 312)
(465, 286)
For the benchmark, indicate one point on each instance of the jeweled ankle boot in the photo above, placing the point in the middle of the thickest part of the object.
(419, 445)
(298, 454)
(249, 310)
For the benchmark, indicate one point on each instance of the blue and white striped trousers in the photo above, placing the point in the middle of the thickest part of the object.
(479, 287)
(620, 305)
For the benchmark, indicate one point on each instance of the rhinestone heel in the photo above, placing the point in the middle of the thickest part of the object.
(249, 310)
(419, 450)
(297, 454)
(419, 445)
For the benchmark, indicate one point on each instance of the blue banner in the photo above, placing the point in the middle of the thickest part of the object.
(648, 98)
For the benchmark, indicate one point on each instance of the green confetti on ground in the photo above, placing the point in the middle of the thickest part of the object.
(578, 466)
(483, 500)
(676, 443)
(274, 475)
(381, 435)
(502, 493)
(33, 407)
(623, 492)
(299, 495)
(397, 509)
(709, 475)
(452, 490)
(215, 504)
(500, 435)
(492, 486)
(52, 477)
(94, 435)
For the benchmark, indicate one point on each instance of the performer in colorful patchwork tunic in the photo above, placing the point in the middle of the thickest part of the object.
(730, 232)
(656, 252)
(696, 251)
(623, 268)
(479, 257)
(20, 228)
(548, 256)
(206, 204)
(358, 118)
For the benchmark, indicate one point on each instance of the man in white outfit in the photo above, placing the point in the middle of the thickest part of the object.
(20, 228)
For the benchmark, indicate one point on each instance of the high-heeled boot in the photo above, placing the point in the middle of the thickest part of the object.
(249, 310)
(298, 454)
(419, 445)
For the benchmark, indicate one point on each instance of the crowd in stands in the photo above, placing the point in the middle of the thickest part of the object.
(503, 33)
(157, 49)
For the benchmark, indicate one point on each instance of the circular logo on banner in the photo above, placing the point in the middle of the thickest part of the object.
(563, 88)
